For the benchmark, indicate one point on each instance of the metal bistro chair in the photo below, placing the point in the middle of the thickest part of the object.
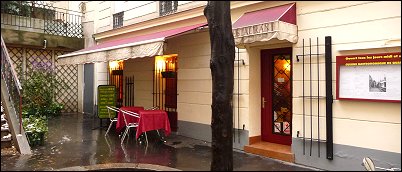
(129, 125)
(112, 119)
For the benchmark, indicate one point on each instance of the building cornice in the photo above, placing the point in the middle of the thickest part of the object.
(160, 21)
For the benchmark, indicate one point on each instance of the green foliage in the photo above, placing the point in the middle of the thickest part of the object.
(35, 129)
(27, 9)
(39, 91)
(21, 8)
(38, 95)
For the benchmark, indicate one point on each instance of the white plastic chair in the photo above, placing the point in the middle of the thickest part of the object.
(111, 117)
(129, 125)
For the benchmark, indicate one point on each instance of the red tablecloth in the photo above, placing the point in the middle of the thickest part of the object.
(152, 120)
(120, 120)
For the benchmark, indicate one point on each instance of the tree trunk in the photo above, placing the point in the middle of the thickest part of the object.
(221, 64)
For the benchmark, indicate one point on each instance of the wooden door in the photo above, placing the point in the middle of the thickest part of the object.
(276, 95)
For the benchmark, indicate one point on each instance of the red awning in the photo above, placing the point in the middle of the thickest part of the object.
(263, 25)
(140, 46)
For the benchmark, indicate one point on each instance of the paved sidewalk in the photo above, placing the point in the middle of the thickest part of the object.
(73, 143)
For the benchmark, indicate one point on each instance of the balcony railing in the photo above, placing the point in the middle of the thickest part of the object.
(35, 17)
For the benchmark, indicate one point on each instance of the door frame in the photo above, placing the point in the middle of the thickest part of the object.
(267, 93)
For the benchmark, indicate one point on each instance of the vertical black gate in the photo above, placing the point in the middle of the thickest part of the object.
(129, 91)
(308, 77)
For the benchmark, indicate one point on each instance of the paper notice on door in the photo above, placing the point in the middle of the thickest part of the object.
(281, 79)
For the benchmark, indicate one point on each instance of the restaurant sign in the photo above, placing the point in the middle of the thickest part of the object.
(371, 77)
(106, 97)
(253, 29)
(264, 32)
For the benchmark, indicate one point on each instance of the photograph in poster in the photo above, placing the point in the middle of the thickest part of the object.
(377, 83)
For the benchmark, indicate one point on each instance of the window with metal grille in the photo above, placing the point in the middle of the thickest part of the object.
(167, 7)
(118, 20)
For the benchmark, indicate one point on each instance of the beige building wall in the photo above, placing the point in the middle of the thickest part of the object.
(134, 11)
(93, 18)
(356, 27)
(195, 81)
(142, 70)
(353, 121)
(194, 84)
(100, 77)
(142, 17)
(70, 7)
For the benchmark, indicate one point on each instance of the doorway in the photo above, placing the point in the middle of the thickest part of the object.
(276, 96)
(89, 88)
(165, 86)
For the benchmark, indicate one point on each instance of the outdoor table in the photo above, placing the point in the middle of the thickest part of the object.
(152, 120)
(120, 124)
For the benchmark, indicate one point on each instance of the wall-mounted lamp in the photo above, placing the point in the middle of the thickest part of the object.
(160, 63)
(44, 44)
(114, 65)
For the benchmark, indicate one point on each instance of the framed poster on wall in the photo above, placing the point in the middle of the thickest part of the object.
(369, 77)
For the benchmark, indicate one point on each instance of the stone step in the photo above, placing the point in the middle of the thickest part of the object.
(5, 127)
(6, 144)
(5, 132)
(6, 137)
(6, 140)
(271, 150)
(3, 120)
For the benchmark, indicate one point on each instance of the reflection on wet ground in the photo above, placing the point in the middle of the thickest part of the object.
(73, 141)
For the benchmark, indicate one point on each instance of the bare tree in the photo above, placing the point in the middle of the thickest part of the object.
(221, 64)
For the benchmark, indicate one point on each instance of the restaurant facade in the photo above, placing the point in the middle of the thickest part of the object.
(315, 83)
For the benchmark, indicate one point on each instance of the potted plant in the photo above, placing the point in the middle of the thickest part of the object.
(36, 129)
(168, 74)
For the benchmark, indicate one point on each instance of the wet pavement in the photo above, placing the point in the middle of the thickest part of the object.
(73, 141)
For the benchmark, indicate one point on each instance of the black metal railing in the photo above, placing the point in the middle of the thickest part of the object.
(13, 85)
(39, 17)
(129, 91)
(238, 62)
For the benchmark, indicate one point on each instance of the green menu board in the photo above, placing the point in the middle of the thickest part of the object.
(106, 97)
